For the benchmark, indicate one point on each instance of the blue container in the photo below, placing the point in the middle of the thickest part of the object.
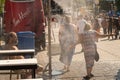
(26, 40)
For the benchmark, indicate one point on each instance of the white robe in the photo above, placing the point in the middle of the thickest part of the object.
(67, 38)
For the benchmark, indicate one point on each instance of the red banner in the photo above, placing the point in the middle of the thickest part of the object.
(22, 17)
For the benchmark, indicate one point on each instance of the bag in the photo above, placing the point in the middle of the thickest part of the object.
(97, 56)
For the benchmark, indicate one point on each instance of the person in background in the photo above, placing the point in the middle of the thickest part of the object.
(104, 24)
(110, 27)
(96, 25)
(80, 26)
(67, 39)
(116, 27)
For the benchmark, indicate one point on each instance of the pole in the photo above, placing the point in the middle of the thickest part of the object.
(49, 38)
(51, 72)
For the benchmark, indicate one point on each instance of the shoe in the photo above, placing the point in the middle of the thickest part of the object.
(87, 77)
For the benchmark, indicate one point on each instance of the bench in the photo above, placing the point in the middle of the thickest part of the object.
(23, 52)
(19, 64)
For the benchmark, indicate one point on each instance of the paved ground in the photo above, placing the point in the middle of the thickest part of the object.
(108, 67)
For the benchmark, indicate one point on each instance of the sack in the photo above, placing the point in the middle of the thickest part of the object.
(97, 57)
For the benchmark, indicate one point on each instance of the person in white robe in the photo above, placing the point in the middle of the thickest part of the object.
(68, 39)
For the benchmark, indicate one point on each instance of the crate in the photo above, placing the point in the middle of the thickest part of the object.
(26, 40)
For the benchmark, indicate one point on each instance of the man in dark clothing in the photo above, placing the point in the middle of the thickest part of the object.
(110, 27)
(117, 27)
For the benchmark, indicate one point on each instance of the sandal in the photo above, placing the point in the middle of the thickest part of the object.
(87, 77)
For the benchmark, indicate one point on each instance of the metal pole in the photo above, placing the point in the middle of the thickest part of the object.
(49, 38)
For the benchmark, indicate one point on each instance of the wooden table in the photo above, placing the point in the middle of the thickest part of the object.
(16, 64)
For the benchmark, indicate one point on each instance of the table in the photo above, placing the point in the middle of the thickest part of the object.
(16, 64)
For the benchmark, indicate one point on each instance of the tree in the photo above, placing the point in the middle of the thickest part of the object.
(118, 5)
(56, 8)
(105, 5)
(1, 7)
